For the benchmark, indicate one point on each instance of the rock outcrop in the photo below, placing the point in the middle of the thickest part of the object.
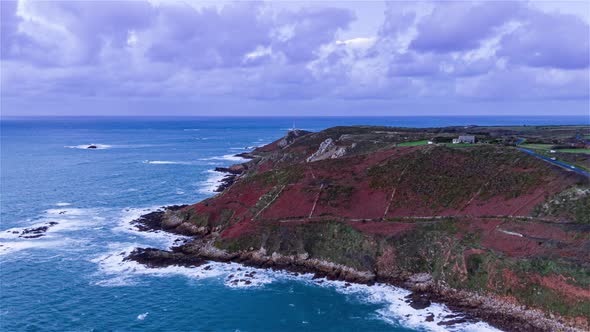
(327, 150)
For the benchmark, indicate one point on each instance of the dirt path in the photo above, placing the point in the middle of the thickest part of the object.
(315, 202)
(269, 203)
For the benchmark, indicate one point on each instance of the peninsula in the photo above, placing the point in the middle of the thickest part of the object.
(493, 221)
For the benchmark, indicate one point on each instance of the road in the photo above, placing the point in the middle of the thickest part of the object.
(557, 162)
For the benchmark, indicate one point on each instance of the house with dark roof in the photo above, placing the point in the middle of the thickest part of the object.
(464, 139)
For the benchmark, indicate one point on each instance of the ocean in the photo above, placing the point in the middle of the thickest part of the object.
(75, 279)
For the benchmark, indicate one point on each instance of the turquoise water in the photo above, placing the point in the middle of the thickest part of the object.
(74, 279)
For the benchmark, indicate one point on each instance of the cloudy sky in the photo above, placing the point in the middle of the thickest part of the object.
(294, 58)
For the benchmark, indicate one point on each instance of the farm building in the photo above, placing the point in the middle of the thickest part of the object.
(464, 139)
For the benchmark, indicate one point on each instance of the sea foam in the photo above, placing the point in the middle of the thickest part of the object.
(394, 309)
(86, 146)
(115, 271)
(211, 183)
(159, 239)
(166, 162)
(228, 157)
(58, 223)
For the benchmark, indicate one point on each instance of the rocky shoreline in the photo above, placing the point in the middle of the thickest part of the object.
(352, 204)
(498, 312)
(232, 174)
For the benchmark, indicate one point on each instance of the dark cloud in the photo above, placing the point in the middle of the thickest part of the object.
(208, 37)
(70, 32)
(548, 40)
(398, 19)
(9, 26)
(308, 29)
(415, 65)
(460, 26)
(526, 83)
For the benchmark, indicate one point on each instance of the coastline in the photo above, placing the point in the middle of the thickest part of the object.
(501, 310)
(500, 313)
(101, 192)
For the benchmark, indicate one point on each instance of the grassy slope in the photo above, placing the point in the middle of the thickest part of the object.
(584, 151)
(414, 143)
(466, 253)
(537, 146)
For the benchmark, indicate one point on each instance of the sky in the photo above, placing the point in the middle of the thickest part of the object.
(302, 58)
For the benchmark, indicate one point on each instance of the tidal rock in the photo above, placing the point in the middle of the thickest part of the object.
(226, 182)
(159, 220)
(418, 301)
(155, 258)
(36, 232)
(234, 169)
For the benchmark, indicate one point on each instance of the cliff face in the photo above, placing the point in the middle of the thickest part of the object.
(370, 204)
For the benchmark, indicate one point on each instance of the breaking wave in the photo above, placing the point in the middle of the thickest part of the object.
(113, 270)
(90, 146)
(93, 146)
(211, 183)
(52, 230)
(116, 271)
(166, 162)
(227, 157)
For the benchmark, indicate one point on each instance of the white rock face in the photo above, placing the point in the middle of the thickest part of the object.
(327, 150)
(340, 151)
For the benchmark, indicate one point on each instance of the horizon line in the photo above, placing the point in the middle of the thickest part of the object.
(290, 116)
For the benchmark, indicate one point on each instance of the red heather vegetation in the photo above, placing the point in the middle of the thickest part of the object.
(482, 218)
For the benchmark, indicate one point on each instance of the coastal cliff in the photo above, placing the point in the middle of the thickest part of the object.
(485, 228)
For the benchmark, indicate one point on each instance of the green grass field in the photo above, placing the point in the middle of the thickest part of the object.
(458, 145)
(584, 151)
(414, 143)
(546, 147)
(537, 146)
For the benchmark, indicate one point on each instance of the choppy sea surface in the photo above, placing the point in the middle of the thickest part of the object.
(74, 278)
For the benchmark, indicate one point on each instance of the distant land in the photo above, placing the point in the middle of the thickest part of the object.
(492, 221)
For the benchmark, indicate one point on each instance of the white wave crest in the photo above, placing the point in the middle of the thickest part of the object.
(209, 185)
(9, 247)
(396, 310)
(245, 148)
(115, 271)
(50, 230)
(228, 157)
(160, 239)
(109, 146)
(166, 162)
(121, 272)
